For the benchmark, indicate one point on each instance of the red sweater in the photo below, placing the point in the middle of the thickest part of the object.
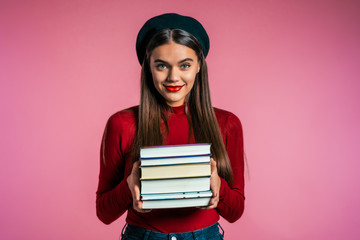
(113, 197)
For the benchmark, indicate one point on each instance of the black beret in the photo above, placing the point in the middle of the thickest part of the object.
(170, 21)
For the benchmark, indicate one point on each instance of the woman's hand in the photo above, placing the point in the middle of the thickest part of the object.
(215, 184)
(134, 186)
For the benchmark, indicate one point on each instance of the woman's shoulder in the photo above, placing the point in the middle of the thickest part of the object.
(124, 118)
(224, 114)
(130, 112)
(226, 118)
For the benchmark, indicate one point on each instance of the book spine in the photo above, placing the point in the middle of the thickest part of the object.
(171, 157)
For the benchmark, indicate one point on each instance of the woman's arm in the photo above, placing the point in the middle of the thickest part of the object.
(231, 200)
(113, 196)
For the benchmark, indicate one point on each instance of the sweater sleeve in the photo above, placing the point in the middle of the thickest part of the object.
(231, 202)
(113, 196)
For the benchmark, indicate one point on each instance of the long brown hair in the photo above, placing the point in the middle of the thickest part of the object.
(199, 110)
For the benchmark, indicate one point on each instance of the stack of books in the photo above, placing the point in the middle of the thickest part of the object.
(174, 176)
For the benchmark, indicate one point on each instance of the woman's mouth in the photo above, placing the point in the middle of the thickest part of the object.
(173, 88)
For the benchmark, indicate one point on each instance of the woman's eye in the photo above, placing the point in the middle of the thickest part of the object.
(161, 66)
(185, 66)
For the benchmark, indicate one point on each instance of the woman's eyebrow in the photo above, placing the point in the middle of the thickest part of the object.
(184, 60)
(159, 60)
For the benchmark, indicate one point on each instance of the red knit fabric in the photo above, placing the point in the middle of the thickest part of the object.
(113, 197)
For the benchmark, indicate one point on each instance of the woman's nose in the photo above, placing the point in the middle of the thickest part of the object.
(174, 75)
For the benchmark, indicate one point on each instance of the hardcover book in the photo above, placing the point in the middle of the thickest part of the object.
(176, 200)
(176, 171)
(175, 160)
(175, 185)
(175, 150)
(176, 203)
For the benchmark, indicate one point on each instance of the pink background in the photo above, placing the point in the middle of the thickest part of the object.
(288, 69)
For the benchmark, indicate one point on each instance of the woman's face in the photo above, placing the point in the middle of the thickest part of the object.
(174, 67)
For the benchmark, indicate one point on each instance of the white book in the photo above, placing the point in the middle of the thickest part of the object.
(176, 203)
(175, 150)
(176, 195)
(174, 160)
(175, 185)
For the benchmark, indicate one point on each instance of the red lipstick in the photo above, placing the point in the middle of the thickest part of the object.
(173, 88)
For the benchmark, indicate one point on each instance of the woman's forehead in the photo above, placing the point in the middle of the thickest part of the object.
(172, 52)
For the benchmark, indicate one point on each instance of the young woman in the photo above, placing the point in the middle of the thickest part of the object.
(175, 108)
